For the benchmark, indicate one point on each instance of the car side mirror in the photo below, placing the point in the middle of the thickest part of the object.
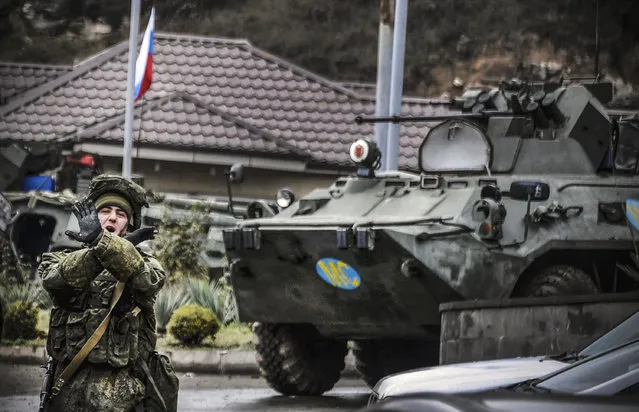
(525, 190)
(236, 173)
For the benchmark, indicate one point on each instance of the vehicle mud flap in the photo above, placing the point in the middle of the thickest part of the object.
(375, 359)
(297, 360)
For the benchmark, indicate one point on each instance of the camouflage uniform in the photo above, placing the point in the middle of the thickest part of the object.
(81, 284)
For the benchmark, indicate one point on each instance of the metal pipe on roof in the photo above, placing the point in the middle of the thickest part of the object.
(384, 59)
(130, 89)
(397, 82)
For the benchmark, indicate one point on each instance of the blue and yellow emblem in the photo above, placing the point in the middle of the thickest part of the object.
(632, 212)
(338, 274)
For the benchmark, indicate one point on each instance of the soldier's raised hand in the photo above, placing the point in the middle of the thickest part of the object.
(90, 227)
(140, 235)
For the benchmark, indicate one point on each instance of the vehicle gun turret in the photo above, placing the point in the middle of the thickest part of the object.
(519, 128)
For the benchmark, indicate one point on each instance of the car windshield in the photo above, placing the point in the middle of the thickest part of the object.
(593, 371)
(626, 331)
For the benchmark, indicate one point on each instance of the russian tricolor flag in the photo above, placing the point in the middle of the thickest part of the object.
(144, 63)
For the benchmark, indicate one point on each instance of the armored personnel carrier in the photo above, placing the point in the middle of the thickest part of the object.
(526, 192)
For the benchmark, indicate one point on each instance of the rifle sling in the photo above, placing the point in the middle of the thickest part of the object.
(152, 382)
(77, 360)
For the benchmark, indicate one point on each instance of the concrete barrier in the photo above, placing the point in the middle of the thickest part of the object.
(485, 330)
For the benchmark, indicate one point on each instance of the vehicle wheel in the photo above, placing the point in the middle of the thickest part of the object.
(297, 360)
(375, 359)
(559, 280)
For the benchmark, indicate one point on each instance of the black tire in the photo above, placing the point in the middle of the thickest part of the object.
(375, 359)
(297, 360)
(559, 280)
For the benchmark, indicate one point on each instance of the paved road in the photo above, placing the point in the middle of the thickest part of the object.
(20, 385)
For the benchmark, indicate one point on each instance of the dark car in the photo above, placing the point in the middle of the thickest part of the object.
(501, 373)
(613, 372)
(506, 402)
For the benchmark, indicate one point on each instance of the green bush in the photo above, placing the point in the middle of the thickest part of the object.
(28, 292)
(10, 269)
(170, 298)
(20, 321)
(209, 294)
(191, 324)
(178, 245)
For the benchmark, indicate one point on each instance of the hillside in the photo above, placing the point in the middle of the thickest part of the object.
(470, 39)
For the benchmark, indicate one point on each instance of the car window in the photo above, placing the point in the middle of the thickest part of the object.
(625, 332)
(593, 371)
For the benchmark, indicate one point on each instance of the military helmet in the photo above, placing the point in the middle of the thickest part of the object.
(131, 191)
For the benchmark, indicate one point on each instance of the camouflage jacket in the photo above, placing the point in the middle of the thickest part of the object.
(81, 284)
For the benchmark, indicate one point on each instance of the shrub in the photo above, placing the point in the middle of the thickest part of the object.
(32, 293)
(192, 323)
(208, 294)
(20, 321)
(170, 298)
(10, 268)
(231, 314)
(179, 243)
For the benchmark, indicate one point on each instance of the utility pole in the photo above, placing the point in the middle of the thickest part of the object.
(597, 39)
(384, 59)
(397, 82)
(130, 89)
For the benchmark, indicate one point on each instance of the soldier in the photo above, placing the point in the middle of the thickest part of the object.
(102, 330)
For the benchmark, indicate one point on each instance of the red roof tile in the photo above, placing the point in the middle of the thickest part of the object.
(300, 110)
(184, 121)
(16, 78)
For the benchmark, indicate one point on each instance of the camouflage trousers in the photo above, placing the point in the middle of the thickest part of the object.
(100, 388)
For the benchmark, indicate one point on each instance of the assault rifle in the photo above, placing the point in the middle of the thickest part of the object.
(47, 384)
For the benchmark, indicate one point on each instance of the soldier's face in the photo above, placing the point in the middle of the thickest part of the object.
(113, 219)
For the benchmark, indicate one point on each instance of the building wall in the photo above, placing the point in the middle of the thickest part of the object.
(210, 180)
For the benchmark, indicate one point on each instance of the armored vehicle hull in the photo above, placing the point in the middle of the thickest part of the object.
(371, 277)
(329, 270)
(514, 201)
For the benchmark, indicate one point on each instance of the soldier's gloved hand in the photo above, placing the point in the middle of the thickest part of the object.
(141, 235)
(90, 227)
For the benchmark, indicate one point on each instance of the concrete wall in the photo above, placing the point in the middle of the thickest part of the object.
(210, 180)
(470, 335)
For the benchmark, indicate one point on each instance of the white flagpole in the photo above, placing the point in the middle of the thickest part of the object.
(384, 61)
(397, 83)
(130, 89)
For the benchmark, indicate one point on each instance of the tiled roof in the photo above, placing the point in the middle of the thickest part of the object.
(301, 109)
(180, 120)
(16, 78)
(364, 89)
